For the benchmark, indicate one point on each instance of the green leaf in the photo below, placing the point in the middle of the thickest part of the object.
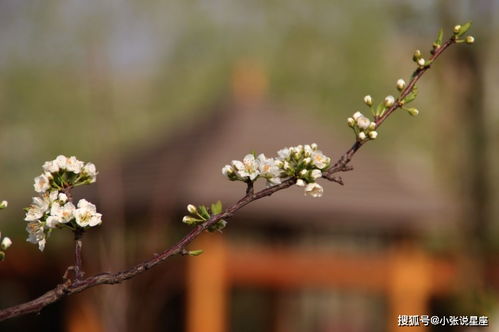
(411, 96)
(195, 252)
(465, 27)
(440, 37)
(203, 212)
(379, 109)
(216, 208)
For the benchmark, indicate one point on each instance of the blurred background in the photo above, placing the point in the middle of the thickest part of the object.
(161, 94)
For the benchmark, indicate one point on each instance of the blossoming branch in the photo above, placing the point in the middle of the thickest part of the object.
(300, 165)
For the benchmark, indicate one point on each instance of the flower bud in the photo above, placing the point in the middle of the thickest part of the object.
(400, 84)
(351, 122)
(417, 55)
(357, 115)
(307, 160)
(303, 172)
(3, 204)
(227, 170)
(189, 220)
(413, 111)
(300, 183)
(368, 100)
(62, 197)
(362, 136)
(314, 146)
(373, 134)
(421, 62)
(6, 243)
(457, 28)
(470, 40)
(372, 126)
(389, 101)
(192, 209)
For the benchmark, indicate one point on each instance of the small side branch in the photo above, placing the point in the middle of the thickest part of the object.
(78, 234)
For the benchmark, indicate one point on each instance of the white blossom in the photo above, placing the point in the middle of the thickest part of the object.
(319, 160)
(6, 243)
(284, 153)
(86, 214)
(36, 234)
(4, 204)
(42, 183)
(314, 189)
(316, 174)
(248, 168)
(61, 214)
(37, 209)
(363, 122)
(421, 62)
(51, 166)
(51, 197)
(268, 169)
(356, 115)
(53, 221)
(90, 170)
(60, 161)
(74, 165)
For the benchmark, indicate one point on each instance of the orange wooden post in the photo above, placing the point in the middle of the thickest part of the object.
(207, 288)
(410, 285)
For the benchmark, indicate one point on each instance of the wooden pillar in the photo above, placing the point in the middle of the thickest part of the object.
(207, 288)
(409, 287)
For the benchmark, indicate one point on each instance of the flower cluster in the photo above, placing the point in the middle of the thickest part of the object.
(63, 172)
(305, 163)
(54, 207)
(362, 126)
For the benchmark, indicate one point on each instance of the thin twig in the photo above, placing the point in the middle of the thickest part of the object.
(78, 285)
(78, 246)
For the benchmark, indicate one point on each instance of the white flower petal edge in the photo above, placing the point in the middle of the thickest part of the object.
(314, 190)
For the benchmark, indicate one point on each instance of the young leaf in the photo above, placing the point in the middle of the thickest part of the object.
(411, 96)
(195, 252)
(203, 212)
(379, 109)
(465, 27)
(216, 208)
(440, 37)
